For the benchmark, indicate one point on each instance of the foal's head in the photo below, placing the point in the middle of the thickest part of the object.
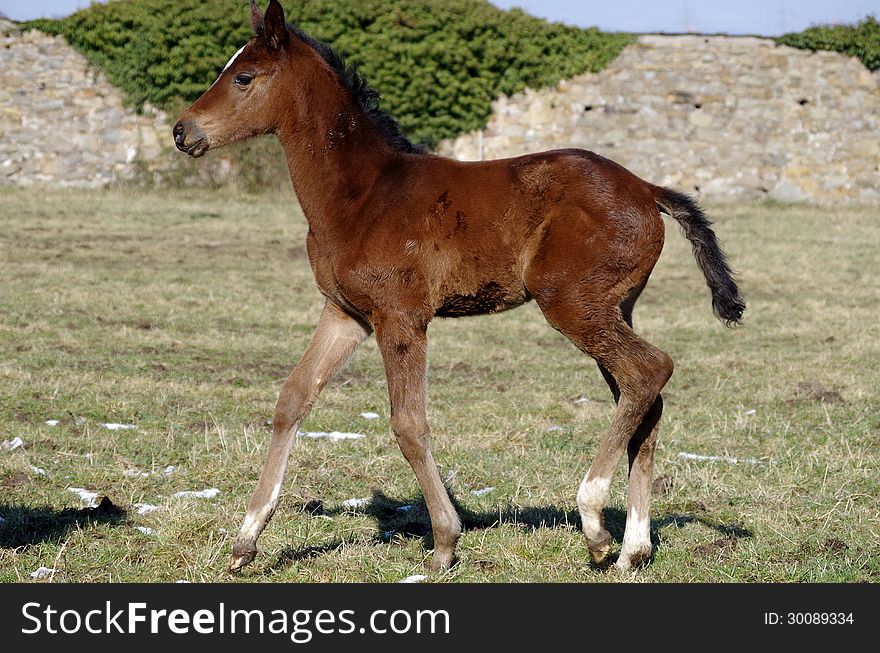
(243, 102)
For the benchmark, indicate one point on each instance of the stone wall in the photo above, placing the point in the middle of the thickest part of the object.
(62, 123)
(727, 118)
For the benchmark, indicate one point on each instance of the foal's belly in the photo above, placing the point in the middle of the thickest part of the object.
(489, 297)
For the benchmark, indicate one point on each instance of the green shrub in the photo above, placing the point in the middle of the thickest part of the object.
(861, 40)
(438, 64)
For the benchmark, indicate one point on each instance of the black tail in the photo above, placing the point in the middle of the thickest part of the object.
(727, 303)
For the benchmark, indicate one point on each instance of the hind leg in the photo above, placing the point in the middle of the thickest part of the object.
(636, 547)
(639, 371)
(588, 270)
(637, 537)
(626, 309)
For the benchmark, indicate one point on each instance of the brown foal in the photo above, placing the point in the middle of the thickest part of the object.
(398, 236)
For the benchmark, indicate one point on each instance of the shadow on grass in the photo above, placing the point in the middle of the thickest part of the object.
(409, 518)
(26, 526)
(681, 520)
(289, 555)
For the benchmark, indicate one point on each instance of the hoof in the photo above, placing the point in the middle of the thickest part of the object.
(442, 560)
(600, 546)
(241, 556)
(637, 558)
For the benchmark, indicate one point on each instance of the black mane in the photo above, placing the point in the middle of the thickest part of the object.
(362, 93)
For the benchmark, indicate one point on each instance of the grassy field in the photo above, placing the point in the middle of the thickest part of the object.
(182, 315)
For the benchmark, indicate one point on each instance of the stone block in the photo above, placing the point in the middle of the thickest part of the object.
(788, 191)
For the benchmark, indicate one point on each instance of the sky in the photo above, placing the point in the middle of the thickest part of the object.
(765, 17)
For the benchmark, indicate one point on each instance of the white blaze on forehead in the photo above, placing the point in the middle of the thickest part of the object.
(234, 57)
(229, 63)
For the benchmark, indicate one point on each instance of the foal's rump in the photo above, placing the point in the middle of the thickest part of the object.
(575, 205)
(581, 220)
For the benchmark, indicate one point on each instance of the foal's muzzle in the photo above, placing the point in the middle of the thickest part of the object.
(189, 138)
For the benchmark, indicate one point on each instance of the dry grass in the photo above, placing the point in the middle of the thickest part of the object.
(183, 314)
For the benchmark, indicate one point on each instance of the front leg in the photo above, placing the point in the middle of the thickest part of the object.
(335, 339)
(404, 347)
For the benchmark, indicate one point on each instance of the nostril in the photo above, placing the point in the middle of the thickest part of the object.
(178, 133)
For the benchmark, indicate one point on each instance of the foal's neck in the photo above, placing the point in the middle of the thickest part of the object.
(334, 154)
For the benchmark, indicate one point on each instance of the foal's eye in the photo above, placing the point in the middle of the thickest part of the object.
(243, 79)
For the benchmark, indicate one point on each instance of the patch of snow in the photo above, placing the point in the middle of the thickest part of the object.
(112, 426)
(210, 493)
(335, 436)
(482, 491)
(751, 412)
(145, 530)
(369, 415)
(53, 422)
(145, 508)
(136, 473)
(415, 578)
(182, 581)
(13, 444)
(38, 470)
(356, 503)
(727, 459)
(582, 400)
(42, 572)
(89, 498)
(554, 427)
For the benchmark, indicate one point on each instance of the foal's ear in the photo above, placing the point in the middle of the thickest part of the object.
(275, 26)
(256, 18)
